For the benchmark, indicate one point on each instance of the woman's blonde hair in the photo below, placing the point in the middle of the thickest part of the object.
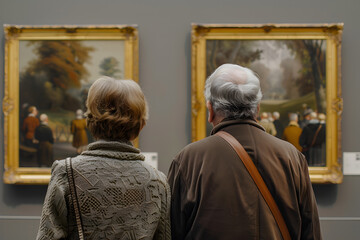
(116, 109)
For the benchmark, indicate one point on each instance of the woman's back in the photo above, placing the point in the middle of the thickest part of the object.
(120, 196)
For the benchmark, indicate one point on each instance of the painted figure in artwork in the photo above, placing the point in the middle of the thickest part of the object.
(267, 124)
(78, 129)
(293, 131)
(29, 125)
(312, 140)
(44, 135)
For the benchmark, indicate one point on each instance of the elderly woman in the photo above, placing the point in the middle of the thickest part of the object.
(119, 196)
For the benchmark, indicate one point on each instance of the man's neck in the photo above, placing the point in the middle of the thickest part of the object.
(217, 120)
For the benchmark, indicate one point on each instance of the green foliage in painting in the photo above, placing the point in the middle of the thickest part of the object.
(58, 67)
(288, 69)
(110, 67)
(230, 51)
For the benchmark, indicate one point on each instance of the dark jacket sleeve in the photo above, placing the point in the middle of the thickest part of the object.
(310, 226)
(178, 189)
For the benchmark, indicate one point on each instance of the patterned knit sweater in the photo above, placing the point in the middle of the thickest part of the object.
(120, 196)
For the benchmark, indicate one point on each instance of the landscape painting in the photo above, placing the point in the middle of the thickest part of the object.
(299, 71)
(291, 72)
(55, 77)
(48, 72)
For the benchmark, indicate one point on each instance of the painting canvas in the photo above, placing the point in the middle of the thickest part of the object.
(291, 72)
(53, 76)
(298, 68)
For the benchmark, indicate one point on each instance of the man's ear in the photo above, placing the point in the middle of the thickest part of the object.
(211, 112)
(258, 110)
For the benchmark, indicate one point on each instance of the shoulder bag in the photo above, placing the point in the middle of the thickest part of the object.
(254, 173)
(70, 175)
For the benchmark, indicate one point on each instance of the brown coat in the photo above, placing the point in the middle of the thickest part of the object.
(214, 197)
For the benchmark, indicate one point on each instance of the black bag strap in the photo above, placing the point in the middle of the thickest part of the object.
(70, 175)
(254, 173)
(315, 135)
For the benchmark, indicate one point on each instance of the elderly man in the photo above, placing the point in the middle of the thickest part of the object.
(213, 195)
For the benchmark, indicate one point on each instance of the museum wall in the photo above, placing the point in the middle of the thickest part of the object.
(165, 76)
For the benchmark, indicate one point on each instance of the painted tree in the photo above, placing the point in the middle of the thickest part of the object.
(291, 73)
(110, 67)
(264, 74)
(59, 66)
(238, 52)
(311, 54)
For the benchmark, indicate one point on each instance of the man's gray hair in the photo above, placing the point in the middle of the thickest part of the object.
(233, 91)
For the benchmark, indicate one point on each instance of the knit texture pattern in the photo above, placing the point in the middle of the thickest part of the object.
(120, 196)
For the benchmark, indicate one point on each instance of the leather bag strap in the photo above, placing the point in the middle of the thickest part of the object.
(70, 175)
(254, 173)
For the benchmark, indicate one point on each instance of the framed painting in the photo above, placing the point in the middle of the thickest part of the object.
(299, 67)
(48, 71)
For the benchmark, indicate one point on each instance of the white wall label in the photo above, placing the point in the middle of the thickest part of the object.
(351, 163)
(151, 158)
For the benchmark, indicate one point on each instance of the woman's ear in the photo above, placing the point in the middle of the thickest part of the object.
(143, 123)
(141, 126)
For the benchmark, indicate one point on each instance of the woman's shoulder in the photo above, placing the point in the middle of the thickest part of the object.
(58, 166)
(59, 176)
(155, 174)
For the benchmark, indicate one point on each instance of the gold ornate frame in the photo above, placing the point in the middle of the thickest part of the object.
(332, 33)
(14, 33)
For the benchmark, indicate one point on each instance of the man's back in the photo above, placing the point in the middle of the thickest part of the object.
(214, 197)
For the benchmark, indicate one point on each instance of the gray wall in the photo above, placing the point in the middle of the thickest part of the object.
(165, 74)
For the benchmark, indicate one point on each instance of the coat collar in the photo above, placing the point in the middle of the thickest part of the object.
(113, 149)
(227, 122)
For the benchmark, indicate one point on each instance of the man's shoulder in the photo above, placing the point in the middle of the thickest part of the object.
(199, 147)
(274, 142)
(202, 144)
(265, 141)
